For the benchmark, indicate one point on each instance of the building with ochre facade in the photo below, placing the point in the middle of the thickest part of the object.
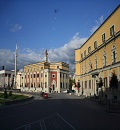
(99, 56)
(45, 76)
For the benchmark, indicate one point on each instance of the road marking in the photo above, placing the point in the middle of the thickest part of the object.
(35, 122)
(42, 125)
(66, 122)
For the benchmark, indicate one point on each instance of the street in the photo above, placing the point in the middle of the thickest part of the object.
(58, 112)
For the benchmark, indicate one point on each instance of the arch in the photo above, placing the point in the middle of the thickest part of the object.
(104, 58)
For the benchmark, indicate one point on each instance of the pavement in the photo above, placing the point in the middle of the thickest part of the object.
(37, 97)
(111, 108)
(59, 111)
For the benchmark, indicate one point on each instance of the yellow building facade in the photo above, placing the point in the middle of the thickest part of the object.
(99, 56)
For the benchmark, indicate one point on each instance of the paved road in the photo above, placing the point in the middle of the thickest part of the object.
(58, 112)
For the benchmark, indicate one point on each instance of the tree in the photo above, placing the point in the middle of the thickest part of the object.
(100, 84)
(114, 81)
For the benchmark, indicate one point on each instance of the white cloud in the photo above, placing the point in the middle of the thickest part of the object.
(98, 23)
(16, 27)
(27, 55)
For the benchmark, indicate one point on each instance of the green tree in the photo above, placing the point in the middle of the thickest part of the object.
(114, 81)
(100, 84)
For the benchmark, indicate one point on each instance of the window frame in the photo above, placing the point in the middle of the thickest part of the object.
(95, 45)
(112, 30)
(89, 49)
(85, 53)
(103, 37)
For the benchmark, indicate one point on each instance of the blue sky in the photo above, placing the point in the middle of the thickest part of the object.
(60, 26)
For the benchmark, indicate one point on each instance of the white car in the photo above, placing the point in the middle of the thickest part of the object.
(64, 91)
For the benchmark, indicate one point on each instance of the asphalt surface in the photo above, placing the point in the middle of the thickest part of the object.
(58, 112)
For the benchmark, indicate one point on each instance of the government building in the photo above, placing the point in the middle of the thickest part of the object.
(99, 56)
(44, 76)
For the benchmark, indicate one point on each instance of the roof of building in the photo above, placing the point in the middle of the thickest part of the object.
(100, 26)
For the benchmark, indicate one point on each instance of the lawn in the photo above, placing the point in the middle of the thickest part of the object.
(11, 98)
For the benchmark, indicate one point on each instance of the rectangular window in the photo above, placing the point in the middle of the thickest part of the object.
(112, 31)
(114, 57)
(45, 75)
(85, 53)
(95, 44)
(28, 76)
(31, 75)
(85, 84)
(82, 56)
(103, 37)
(89, 49)
(38, 75)
(34, 75)
(60, 84)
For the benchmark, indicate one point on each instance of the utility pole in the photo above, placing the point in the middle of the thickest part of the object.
(16, 54)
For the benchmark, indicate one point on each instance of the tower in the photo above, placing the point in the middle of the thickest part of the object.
(46, 56)
(16, 54)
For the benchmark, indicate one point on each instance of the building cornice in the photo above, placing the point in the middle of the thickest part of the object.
(113, 38)
(100, 26)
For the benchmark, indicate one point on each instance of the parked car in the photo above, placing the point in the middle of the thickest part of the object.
(66, 91)
(45, 95)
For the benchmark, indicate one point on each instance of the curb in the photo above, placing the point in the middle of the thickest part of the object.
(18, 101)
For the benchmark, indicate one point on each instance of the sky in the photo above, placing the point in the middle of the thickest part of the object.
(60, 26)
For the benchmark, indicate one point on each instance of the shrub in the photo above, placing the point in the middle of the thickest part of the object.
(114, 81)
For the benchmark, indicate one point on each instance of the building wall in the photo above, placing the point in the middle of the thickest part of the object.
(98, 62)
(6, 78)
(42, 79)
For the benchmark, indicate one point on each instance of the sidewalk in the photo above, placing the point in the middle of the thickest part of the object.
(110, 106)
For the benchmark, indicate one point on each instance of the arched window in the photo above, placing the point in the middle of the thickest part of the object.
(114, 54)
(89, 65)
(96, 62)
(104, 58)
